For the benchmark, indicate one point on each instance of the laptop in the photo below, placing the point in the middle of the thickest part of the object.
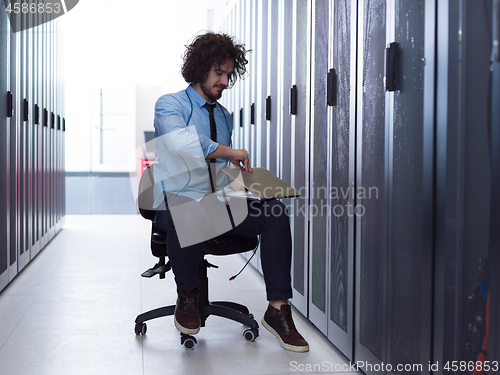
(261, 184)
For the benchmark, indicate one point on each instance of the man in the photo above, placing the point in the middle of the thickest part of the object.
(186, 126)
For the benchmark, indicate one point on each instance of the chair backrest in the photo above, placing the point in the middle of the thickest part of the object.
(145, 194)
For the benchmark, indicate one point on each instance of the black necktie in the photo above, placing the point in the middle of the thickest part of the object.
(213, 127)
(211, 169)
(213, 136)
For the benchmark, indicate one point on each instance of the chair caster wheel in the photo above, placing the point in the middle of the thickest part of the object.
(250, 315)
(251, 334)
(141, 329)
(188, 341)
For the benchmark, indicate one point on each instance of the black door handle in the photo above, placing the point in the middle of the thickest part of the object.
(268, 108)
(293, 100)
(331, 91)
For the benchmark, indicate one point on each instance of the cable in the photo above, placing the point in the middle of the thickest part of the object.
(246, 264)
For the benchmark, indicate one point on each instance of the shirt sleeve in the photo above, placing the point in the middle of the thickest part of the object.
(170, 117)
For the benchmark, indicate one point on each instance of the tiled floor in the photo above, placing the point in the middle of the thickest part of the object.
(72, 311)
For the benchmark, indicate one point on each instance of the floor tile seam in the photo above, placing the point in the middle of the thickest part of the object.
(54, 271)
(36, 294)
(141, 302)
(60, 258)
(16, 325)
(43, 284)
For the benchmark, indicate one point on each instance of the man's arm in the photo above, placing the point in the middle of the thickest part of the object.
(236, 156)
(170, 119)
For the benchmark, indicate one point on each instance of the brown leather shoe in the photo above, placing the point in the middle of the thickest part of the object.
(280, 324)
(187, 313)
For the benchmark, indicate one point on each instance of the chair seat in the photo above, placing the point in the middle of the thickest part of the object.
(221, 245)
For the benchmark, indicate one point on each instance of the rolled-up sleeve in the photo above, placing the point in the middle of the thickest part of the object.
(170, 117)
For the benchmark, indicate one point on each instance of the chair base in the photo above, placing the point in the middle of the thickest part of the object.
(229, 310)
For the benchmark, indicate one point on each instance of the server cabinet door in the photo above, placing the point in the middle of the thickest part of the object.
(395, 186)
(35, 240)
(253, 79)
(494, 257)
(251, 97)
(463, 178)
(341, 99)
(299, 151)
(239, 92)
(410, 180)
(14, 151)
(245, 102)
(285, 133)
(242, 84)
(234, 91)
(319, 164)
(272, 98)
(61, 134)
(58, 93)
(23, 250)
(37, 114)
(4, 146)
(43, 132)
(29, 87)
(371, 228)
(286, 57)
(39, 138)
(51, 155)
(262, 72)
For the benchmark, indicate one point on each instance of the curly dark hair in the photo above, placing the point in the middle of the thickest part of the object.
(210, 48)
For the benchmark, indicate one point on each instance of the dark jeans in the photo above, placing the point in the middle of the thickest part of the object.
(266, 218)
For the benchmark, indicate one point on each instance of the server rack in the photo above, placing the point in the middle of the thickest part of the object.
(341, 99)
(494, 348)
(31, 155)
(397, 101)
(23, 255)
(284, 113)
(246, 19)
(463, 176)
(299, 162)
(14, 175)
(285, 116)
(270, 160)
(4, 146)
(251, 82)
(252, 62)
(394, 237)
(263, 77)
(318, 178)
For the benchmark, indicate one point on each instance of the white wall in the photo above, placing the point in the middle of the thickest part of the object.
(125, 41)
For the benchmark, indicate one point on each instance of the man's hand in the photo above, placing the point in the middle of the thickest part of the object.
(239, 157)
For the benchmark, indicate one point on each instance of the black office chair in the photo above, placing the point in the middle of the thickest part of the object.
(222, 245)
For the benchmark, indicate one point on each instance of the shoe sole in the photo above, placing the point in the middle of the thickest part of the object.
(284, 345)
(186, 331)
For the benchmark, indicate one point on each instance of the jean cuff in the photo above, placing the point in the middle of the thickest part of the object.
(279, 296)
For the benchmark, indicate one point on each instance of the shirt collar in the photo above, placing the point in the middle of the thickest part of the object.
(197, 98)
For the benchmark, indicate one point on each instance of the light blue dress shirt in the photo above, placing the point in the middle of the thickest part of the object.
(182, 147)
